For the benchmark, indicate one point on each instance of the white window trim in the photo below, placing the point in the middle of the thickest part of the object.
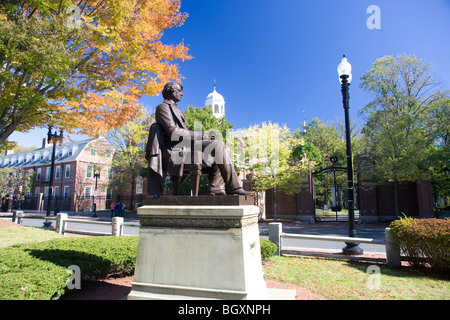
(90, 193)
(67, 171)
(57, 172)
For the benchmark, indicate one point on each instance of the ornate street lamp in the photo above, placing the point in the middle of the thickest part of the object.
(96, 176)
(52, 138)
(345, 76)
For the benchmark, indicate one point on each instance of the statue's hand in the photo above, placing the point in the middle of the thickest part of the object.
(210, 135)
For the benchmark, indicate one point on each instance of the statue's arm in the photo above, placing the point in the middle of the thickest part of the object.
(164, 117)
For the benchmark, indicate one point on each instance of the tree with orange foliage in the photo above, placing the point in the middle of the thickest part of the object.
(83, 65)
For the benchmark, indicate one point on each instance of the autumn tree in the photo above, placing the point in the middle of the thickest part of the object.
(83, 65)
(15, 183)
(129, 159)
(401, 118)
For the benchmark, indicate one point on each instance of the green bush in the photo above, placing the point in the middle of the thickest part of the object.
(268, 249)
(38, 271)
(424, 241)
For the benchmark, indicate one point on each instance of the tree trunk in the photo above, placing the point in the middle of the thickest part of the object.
(396, 206)
(275, 204)
(133, 188)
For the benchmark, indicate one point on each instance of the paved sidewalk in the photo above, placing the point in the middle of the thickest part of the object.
(118, 289)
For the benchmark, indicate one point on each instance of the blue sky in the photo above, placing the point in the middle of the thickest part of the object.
(272, 60)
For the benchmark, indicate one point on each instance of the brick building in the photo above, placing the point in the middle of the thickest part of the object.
(73, 181)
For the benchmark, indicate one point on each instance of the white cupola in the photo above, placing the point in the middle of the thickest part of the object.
(217, 103)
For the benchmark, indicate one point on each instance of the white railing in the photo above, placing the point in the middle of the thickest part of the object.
(392, 247)
(117, 224)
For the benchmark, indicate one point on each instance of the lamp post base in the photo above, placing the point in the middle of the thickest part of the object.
(47, 224)
(352, 249)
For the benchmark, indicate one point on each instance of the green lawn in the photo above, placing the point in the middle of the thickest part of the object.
(10, 235)
(346, 280)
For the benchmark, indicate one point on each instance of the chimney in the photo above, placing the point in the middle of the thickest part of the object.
(45, 144)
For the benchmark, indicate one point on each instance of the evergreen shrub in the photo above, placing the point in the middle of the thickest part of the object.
(268, 249)
(39, 271)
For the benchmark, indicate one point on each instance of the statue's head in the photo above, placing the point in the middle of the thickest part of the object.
(173, 91)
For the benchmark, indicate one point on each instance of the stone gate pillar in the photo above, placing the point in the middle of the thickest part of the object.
(306, 199)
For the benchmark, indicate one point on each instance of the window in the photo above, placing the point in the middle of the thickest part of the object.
(109, 173)
(38, 174)
(92, 152)
(109, 192)
(139, 185)
(89, 171)
(87, 193)
(108, 154)
(66, 192)
(57, 172)
(56, 192)
(67, 174)
(47, 174)
(46, 192)
(37, 192)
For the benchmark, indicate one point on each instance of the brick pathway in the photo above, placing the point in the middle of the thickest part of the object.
(115, 289)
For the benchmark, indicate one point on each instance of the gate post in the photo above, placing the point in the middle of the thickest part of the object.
(275, 229)
(392, 250)
(60, 217)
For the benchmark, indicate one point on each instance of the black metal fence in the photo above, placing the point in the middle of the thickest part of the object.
(74, 203)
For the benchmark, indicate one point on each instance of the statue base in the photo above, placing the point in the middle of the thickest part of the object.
(206, 200)
(198, 252)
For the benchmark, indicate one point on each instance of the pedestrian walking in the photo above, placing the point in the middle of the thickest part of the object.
(120, 209)
(116, 210)
(113, 207)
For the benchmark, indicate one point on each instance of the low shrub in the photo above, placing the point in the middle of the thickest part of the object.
(424, 241)
(38, 271)
(268, 249)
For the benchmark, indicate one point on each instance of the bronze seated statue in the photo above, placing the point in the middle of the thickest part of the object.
(174, 150)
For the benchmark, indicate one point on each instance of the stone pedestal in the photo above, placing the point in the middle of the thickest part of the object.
(198, 252)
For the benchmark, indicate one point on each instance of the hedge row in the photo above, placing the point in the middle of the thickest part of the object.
(38, 271)
(425, 241)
